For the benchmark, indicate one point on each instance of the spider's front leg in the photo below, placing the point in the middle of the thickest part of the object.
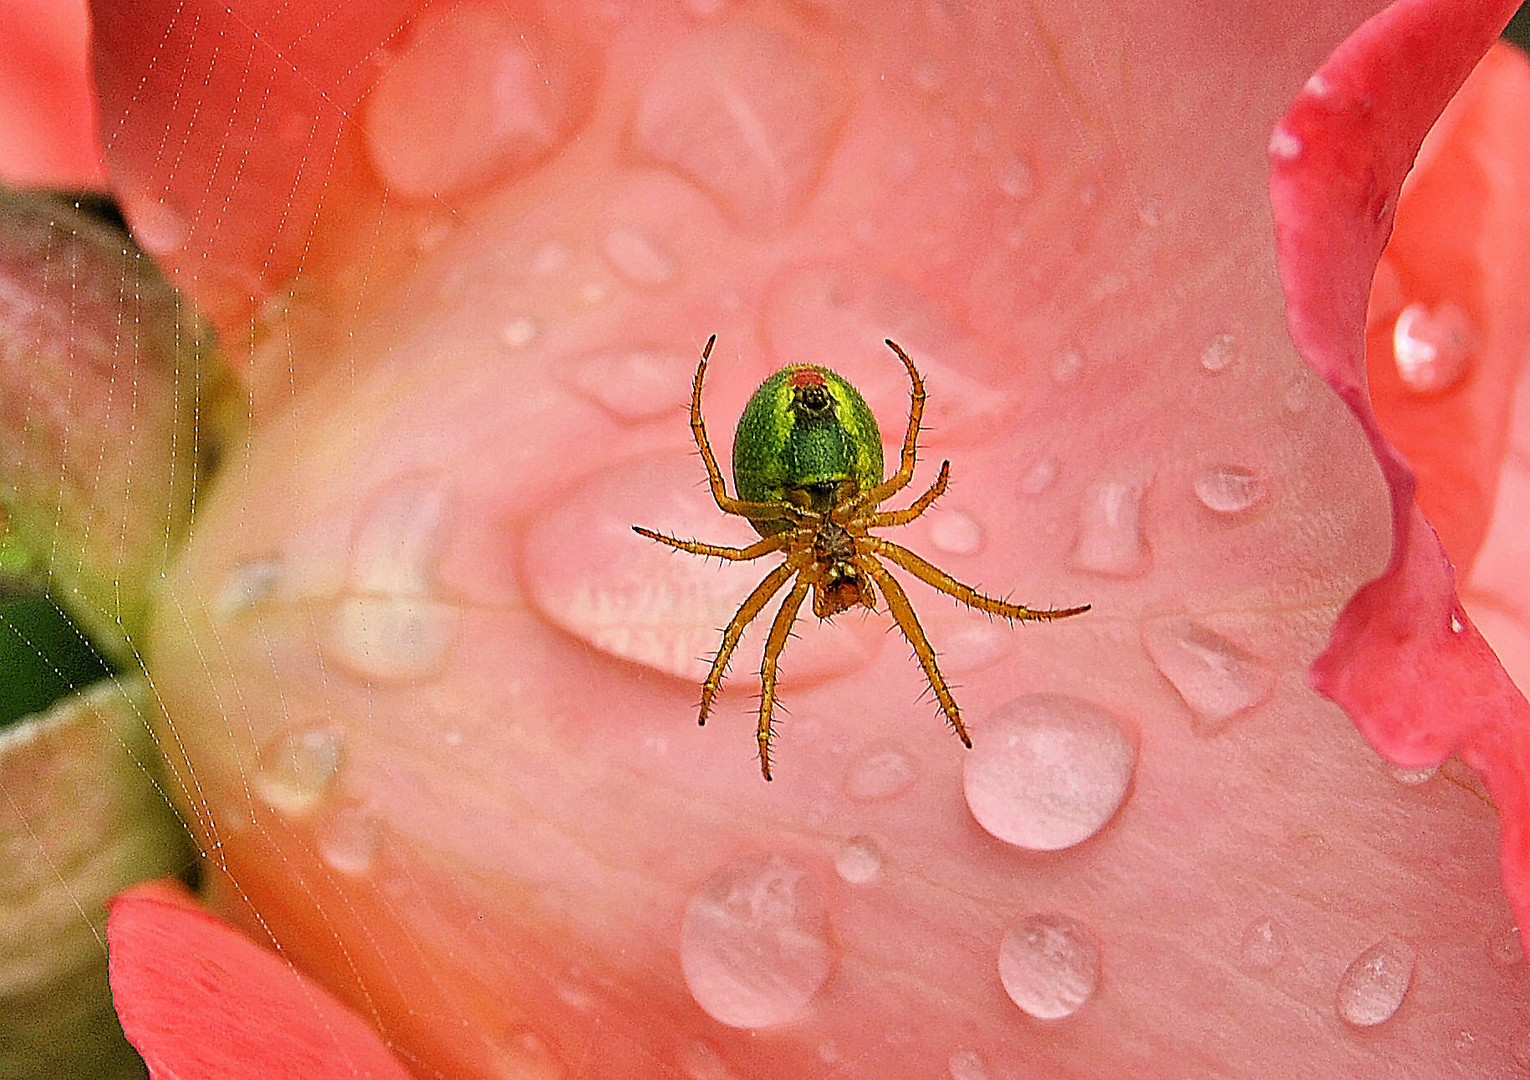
(895, 483)
(756, 550)
(725, 502)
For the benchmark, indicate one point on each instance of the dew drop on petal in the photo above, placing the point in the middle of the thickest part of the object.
(859, 860)
(880, 772)
(1229, 489)
(1219, 353)
(754, 946)
(246, 585)
(967, 1065)
(295, 768)
(348, 837)
(1285, 146)
(636, 384)
(956, 533)
(1047, 772)
(1432, 347)
(1373, 986)
(518, 333)
(1110, 539)
(399, 537)
(1039, 477)
(635, 256)
(1218, 680)
(1049, 965)
(396, 639)
(1263, 945)
(1414, 777)
(157, 226)
(698, 1061)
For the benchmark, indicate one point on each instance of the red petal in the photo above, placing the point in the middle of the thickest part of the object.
(200, 1001)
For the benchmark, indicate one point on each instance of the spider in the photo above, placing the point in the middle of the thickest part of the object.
(807, 466)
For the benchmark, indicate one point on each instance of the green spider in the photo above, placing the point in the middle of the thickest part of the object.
(807, 465)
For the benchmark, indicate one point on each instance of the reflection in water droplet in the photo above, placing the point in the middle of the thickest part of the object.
(399, 538)
(1263, 945)
(754, 945)
(1414, 777)
(1110, 539)
(1372, 988)
(1229, 489)
(1432, 347)
(347, 837)
(635, 384)
(1284, 145)
(1217, 680)
(1505, 948)
(859, 860)
(296, 767)
(956, 533)
(246, 585)
(518, 333)
(1049, 964)
(1038, 477)
(637, 258)
(879, 773)
(392, 639)
(1016, 180)
(1047, 772)
(967, 1065)
(1219, 352)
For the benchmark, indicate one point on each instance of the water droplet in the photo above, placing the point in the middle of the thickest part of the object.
(1285, 146)
(549, 258)
(956, 533)
(1219, 353)
(967, 1065)
(1414, 777)
(1217, 680)
(392, 639)
(1263, 945)
(1047, 772)
(1432, 347)
(1049, 964)
(1150, 213)
(518, 333)
(1067, 365)
(880, 772)
(1463, 1042)
(1110, 540)
(1317, 86)
(1456, 625)
(246, 585)
(399, 537)
(636, 384)
(348, 837)
(859, 860)
(1016, 180)
(1039, 477)
(1298, 394)
(700, 1062)
(159, 228)
(754, 945)
(1505, 948)
(296, 767)
(1373, 986)
(637, 257)
(1229, 489)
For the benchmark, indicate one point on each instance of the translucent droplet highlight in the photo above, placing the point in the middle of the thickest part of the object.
(1038, 477)
(967, 1065)
(956, 533)
(754, 946)
(1229, 489)
(1219, 353)
(348, 837)
(1218, 681)
(1432, 346)
(246, 585)
(859, 860)
(638, 258)
(1374, 985)
(1049, 965)
(879, 772)
(1414, 777)
(637, 384)
(392, 639)
(1263, 946)
(1110, 538)
(296, 767)
(1047, 772)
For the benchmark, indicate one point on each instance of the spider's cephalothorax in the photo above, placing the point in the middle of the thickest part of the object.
(807, 464)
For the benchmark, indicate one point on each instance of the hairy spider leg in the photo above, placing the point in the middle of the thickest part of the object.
(780, 628)
(758, 549)
(753, 604)
(908, 622)
(725, 502)
(937, 578)
(895, 483)
(920, 505)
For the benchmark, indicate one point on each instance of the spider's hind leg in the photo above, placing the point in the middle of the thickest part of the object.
(780, 630)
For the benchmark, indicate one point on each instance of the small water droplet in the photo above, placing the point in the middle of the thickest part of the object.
(1298, 394)
(159, 228)
(637, 257)
(1432, 347)
(1218, 681)
(1039, 477)
(549, 258)
(967, 1065)
(956, 533)
(518, 333)
(348, 837)
(398, 538)
(1229, 489)
(1067, 365)
(246, 585)
(1456, 625)
(1414, 777)
(1016, 180)
(1505, 948)
(859, 860)
(594, 293)
(1373, 986)
(1219, 353)
(1318, 86)
(1263, 945)
(1110, 539)
(880, 772)
(1047, 772)
(1285, 146)
(1463, 1042)
(1049, 965)
(700, 1062)
(635, 384)
(392, 638)
(754, 945)
(295, 768)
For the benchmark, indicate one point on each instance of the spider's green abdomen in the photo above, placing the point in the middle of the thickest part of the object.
(804, 432)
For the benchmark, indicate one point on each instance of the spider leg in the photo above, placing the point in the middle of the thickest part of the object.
(780, 628)
(934, 576)
(753, 604)
(755, 550)
(908, 622)
(905, 473)
(726, 503)
(921, 504)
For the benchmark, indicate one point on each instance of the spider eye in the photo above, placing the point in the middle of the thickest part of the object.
(814, 400)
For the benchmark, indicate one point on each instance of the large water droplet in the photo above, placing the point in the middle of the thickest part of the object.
(1219, 352)
(392, 639)
(880, 772)
(1432, 347)
(859, 860)
(636, 257)
(1373, 986)
(296, 767)
(1263, 945)
(399, 537)
(1110, 539)
(1049, 965)
(348, 837)
(1229, 489)
(967, 1065)
(956, 533)
(246, 585)
(754, 946)
(1047, 772)
(636, 384)
(1217, 680)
